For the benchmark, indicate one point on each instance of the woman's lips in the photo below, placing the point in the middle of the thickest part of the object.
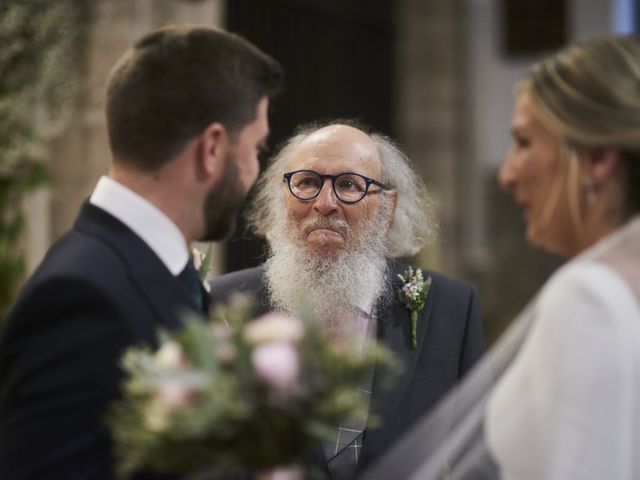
(524, 211)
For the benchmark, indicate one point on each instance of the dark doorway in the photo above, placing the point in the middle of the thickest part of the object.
(338, 59)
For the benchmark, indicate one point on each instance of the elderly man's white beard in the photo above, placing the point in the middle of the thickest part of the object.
(333, 288)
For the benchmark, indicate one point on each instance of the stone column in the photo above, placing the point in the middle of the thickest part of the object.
(429, 101)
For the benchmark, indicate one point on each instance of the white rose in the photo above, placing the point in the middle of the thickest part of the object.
(274, 327)
(170, 356)
(198, 258)
(156, 417)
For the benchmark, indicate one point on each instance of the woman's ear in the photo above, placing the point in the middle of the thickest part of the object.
(601, 164)
(214, 146)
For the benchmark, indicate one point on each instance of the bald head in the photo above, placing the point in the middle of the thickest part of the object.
(339, 146)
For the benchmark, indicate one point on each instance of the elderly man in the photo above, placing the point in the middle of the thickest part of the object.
(335, 205)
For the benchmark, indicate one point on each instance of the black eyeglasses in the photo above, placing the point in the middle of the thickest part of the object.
(348, 187)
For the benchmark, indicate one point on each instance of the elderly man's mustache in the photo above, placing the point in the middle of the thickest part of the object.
(335, 224)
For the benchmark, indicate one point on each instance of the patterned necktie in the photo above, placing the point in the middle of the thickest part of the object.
(191, 281)
(343, 452)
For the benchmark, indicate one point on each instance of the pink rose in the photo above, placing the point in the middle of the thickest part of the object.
(168, 397)
(277, 364)
(174, 394)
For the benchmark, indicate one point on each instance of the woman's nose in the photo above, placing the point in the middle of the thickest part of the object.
(506, 174)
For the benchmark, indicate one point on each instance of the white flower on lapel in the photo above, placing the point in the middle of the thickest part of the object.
(413, 294)
(202, 262)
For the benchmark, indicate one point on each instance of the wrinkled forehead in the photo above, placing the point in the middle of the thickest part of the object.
(337, 149)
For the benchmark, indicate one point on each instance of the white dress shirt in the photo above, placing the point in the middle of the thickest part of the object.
(147, 221)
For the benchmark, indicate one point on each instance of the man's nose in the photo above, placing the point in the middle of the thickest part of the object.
(326, 201)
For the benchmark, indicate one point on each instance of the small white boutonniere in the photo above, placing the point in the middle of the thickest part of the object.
(202, 262)
(413, 293)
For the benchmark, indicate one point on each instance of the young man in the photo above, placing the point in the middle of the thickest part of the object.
(187, 115)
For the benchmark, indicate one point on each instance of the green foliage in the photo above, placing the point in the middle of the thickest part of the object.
(12, 220)
(39, 39)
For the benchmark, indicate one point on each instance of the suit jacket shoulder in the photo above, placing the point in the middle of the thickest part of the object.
(99, 290)
(249, 281)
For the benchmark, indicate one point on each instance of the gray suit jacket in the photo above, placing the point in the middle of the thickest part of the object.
(450, 340)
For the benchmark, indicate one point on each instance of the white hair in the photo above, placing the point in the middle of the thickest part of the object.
(413, 220)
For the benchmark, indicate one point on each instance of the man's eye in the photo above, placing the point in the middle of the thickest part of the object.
(347, 185)
(308, 182)
(350, 185)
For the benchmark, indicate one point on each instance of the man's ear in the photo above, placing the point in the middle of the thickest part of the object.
(601, 164)
(214, 146)
(394, 204)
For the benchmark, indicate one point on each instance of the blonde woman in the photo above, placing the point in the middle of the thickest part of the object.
(558, 397)
(569, 405)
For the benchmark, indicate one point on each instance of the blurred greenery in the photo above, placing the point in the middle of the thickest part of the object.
(40, 44)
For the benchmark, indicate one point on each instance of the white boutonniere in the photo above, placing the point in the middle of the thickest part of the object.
(202, 262)
(413, 294)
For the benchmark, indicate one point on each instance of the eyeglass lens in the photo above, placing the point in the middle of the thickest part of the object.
(348, 187)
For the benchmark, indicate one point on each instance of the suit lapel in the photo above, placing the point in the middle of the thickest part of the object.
(155, 283)
(263, 304)
(394, 333)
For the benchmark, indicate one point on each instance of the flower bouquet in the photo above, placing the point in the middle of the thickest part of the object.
(231, 395)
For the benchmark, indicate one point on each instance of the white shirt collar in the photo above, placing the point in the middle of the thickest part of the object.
(146, 221)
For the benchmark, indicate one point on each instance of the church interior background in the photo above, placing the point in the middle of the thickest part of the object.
(436, 75)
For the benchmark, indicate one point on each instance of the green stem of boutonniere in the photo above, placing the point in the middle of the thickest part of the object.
(414, 328)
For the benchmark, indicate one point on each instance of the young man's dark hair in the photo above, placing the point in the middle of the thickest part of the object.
(176, 81)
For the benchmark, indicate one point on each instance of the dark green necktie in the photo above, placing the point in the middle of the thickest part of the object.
(191, 281)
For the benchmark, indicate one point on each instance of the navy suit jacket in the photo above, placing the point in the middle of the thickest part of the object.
(450, 340)
(99, 290)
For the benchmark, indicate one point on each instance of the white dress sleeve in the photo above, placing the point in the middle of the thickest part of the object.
(567, 408)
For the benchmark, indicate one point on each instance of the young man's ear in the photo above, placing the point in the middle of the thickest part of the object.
(214, 146)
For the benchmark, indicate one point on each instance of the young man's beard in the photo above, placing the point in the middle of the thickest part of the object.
(223, 202)
(332, 287)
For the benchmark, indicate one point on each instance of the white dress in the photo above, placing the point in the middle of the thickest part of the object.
(569, 405)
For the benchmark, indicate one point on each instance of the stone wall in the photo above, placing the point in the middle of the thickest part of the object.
(481, 233)
(429, 97)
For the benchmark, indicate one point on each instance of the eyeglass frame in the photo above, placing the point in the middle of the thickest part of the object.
(368, 182)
